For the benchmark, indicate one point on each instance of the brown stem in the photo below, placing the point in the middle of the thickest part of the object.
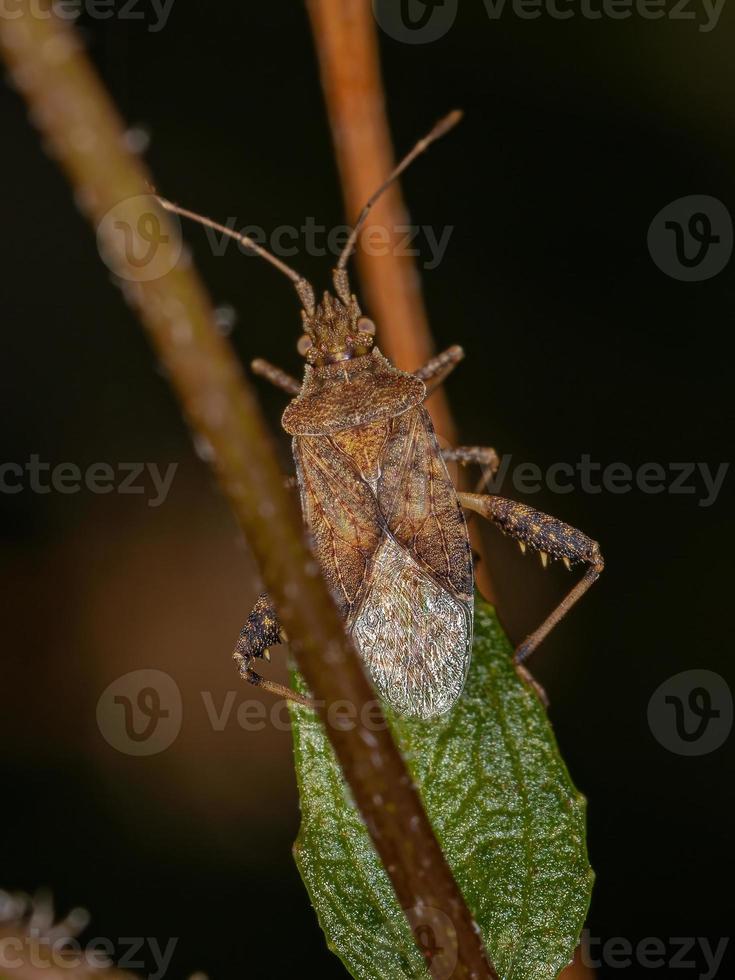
(347, 47)
(80, 127)
(346, 40)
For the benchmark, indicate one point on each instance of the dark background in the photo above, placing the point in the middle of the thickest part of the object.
(576, 134)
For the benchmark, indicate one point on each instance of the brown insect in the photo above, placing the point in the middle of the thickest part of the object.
(385, 520)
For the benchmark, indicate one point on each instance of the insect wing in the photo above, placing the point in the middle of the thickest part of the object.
(341, 513)
(414, 625)
(419, 503)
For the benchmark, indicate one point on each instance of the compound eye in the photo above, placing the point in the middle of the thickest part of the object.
(304, 345)
(366, 325)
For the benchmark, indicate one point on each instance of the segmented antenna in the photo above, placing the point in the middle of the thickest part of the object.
(443, 126)
(303, 287)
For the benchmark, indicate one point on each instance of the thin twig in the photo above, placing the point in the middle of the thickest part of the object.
(81, 129)
(346, 40)
(347, 47)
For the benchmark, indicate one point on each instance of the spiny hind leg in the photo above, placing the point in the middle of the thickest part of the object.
(551, 538)
(261, 631)
(438, 368)
(276, 376)
(483, 456)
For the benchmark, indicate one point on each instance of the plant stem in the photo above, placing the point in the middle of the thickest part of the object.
(347, 47)
(82, 130)
(346, 40)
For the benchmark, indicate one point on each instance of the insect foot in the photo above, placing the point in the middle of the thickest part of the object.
(261, 631)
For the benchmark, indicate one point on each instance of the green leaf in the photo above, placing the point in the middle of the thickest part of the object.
(504, 809)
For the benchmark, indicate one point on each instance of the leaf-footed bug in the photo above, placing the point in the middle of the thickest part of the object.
(385, 521)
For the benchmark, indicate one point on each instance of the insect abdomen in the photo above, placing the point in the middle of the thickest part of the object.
(415, 636)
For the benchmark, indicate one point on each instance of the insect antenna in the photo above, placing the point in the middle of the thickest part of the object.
(303, 287)
(443, 126)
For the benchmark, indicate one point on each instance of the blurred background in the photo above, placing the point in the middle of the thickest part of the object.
(578, 132)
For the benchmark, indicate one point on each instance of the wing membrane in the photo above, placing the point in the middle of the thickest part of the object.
(420, 506)
(341, 513)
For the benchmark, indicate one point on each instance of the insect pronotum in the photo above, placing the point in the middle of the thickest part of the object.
(385, 521)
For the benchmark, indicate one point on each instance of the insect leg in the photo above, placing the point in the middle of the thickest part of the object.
(261, 631)
(438, 368)
(485, 457)
(551, 538)
(276, 376)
